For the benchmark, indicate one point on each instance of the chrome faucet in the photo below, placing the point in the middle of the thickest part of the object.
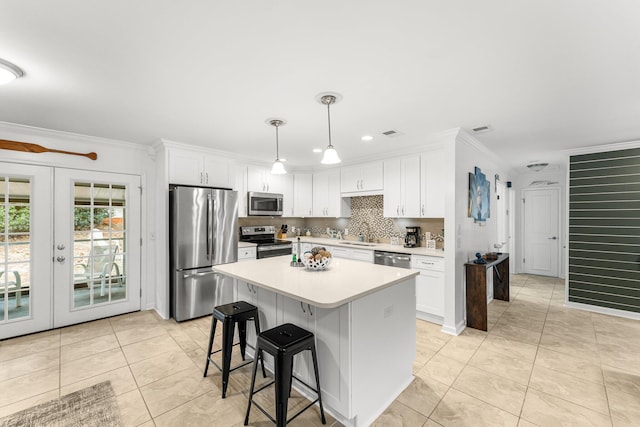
(368, 235)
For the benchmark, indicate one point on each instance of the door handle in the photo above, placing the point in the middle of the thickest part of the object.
(553, 238)
(210, 209)
(60, 259)
(206, 273)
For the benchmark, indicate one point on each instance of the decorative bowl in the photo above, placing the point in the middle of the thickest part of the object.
(311, 263)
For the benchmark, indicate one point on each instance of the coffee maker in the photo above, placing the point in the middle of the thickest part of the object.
(412, 239)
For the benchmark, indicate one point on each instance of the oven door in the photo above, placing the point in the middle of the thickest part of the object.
(264, 204)
(267, 251)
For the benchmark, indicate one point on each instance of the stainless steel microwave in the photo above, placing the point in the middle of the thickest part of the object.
(264, 204)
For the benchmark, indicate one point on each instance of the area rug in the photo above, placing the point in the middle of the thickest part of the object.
(94, 406)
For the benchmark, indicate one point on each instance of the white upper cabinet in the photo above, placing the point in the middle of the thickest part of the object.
(194, 168)
(240, 186)
(286, 188)
(321, 194)
(261, 179)
(432, 192)
(302, 194)
(402, 187)
(327, 199)
(366, 179)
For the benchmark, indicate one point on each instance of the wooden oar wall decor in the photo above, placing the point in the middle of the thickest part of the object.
(5, 144)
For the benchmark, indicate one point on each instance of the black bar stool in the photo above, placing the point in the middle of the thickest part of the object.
(230, 314)
(283, 342)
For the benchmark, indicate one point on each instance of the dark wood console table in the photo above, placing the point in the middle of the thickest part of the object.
(476, 278)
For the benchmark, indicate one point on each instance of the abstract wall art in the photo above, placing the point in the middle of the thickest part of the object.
(479, 199)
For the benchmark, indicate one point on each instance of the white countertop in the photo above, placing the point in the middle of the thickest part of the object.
(246, 245)
(343, 282)
(374, 246)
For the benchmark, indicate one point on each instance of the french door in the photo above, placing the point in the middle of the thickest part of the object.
(96, 247)
(69, 247)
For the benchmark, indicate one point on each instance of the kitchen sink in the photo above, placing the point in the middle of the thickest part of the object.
(358, 244)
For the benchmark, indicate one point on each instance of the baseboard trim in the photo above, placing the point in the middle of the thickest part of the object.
(603, 310)
(454, 330)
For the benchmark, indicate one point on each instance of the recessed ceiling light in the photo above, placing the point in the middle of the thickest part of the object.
(537, 167)
(367, 138)
(317, 150)
(9, 72)
(483, 128)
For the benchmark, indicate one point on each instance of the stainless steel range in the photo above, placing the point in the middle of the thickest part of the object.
(264, 237)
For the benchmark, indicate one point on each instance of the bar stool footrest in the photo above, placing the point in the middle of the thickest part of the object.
(245, 363)
(253, 402)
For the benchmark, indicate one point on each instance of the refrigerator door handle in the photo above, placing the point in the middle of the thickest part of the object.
(209, 227)
(206, 273)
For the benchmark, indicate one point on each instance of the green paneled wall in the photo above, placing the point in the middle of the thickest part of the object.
(604, 229)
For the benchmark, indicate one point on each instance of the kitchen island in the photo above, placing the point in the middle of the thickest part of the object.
(363, 317)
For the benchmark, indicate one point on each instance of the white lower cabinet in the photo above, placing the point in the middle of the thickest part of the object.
(248, 253)
(338, 252)
(429, 288)
(266, 301)
(348, 346)
(361, 255)
(330, 327)
(353, 254)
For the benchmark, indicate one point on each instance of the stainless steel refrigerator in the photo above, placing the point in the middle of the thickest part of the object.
(203, 232)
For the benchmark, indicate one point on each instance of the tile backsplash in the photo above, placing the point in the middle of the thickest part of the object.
(365, 210)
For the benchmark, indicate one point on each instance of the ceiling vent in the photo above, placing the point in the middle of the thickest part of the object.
(392, 133)
(480, 129)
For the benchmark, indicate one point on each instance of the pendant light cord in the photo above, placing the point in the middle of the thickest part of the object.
(277, 144)
(329, 122)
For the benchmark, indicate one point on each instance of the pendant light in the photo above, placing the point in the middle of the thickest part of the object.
(330, 154)
(278, 167)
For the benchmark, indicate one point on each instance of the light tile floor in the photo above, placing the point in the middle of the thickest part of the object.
(539, 364)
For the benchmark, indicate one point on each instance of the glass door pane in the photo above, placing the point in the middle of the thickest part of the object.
(99, 244)
(16, 247)
(25, 254)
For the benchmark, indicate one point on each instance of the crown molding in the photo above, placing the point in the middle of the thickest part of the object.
(37, 132)
(614, 146)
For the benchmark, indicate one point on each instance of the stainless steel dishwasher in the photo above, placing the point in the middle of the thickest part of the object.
(392, 259)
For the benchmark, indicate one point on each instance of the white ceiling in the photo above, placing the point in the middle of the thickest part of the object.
(545, 75)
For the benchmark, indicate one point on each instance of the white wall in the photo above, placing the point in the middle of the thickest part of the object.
(113, 156)
(464, 236)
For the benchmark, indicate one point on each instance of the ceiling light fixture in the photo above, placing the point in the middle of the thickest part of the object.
(278, 167)
(9, 72)
(330, 154)
(367, 138)
(537, 167)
